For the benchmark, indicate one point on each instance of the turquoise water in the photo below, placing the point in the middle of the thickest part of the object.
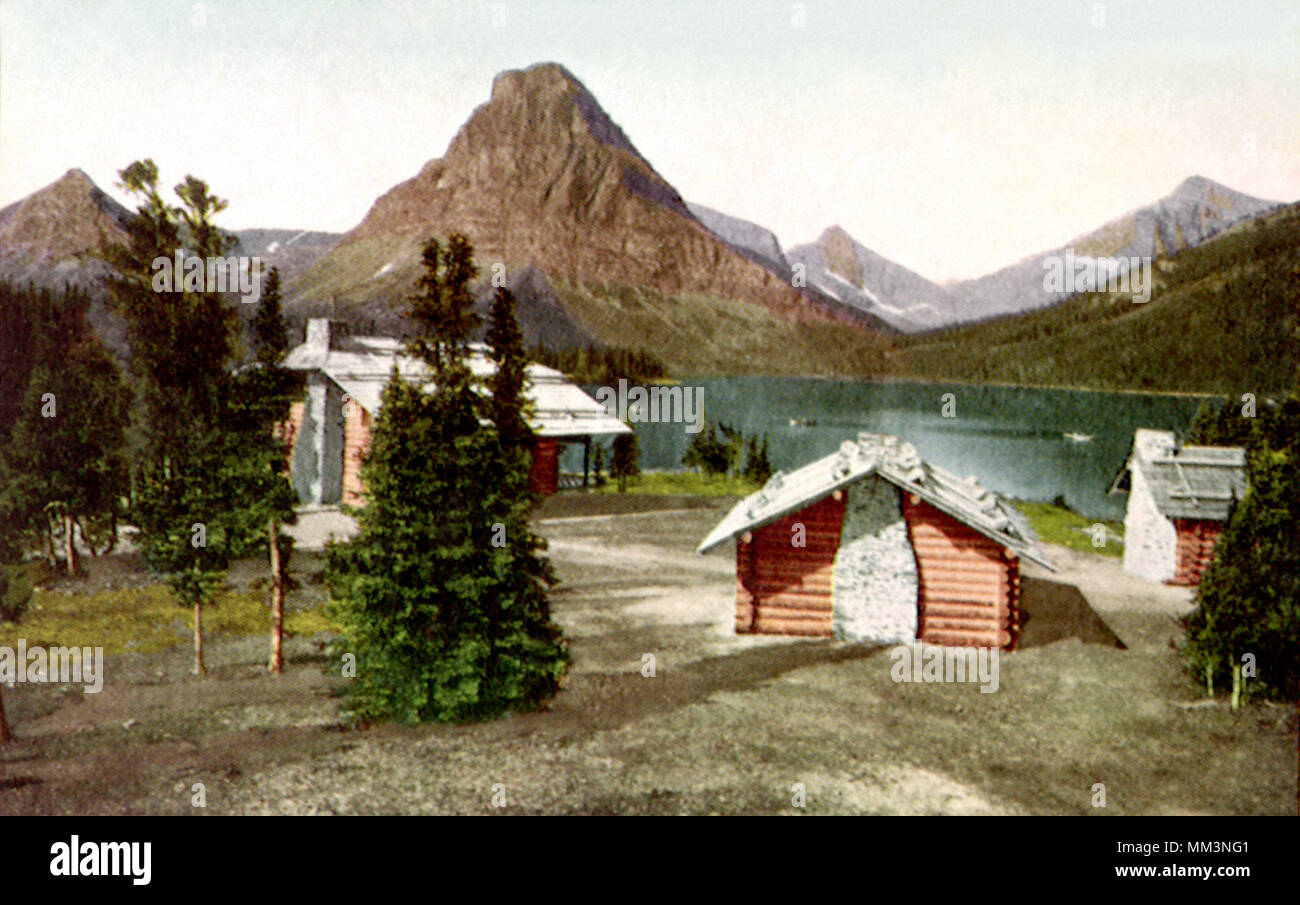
(1012, 439)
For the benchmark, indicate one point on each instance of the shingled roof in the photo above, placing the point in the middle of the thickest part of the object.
(1192, 482)
(362, 366)
(899, 464)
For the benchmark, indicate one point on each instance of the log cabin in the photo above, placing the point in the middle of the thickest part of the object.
(871, 543)
(1179, 498)
(329, 431)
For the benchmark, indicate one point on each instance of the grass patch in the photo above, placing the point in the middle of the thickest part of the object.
(1066, 528)
(683, 483)
(146, 619)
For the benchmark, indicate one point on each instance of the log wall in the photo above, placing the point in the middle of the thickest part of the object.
(1196, 540)
(356, 442)
(969, 585)
(787, 590)
(544, 474)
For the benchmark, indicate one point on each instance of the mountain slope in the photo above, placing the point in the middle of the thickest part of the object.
(541, 176)
(293, 251)
(48, 237)
(1195, 212)
(844, 269)
(755, 242)
(1224, 317)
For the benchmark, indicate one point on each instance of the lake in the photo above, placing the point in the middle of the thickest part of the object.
(1013, 439)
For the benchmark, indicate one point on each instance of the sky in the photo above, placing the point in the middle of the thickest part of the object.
(951, 137)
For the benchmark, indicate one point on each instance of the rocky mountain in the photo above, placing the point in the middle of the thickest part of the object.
(840, 267)
(293, 251)
(48, 237)
(758, 243)
(541, 176)
(1198, 210)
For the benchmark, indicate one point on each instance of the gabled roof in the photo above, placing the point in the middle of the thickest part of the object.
(362, 366)
(899, 464)
(1195, 482)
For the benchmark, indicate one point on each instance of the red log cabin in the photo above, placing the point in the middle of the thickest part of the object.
(871, 543)
(1179, 498)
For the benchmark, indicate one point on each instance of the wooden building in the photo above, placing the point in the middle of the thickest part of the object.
(1178, 500)
(872, 543)
(346, 375)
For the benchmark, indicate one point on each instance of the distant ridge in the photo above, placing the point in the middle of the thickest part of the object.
(540, 176)
(1197, 210)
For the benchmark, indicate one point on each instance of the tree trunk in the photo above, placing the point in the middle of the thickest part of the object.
(198, 639)
(5, 734)
(70, 543)
(277, 600)
(1236, 685)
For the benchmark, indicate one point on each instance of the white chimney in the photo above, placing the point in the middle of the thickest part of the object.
(318, 334)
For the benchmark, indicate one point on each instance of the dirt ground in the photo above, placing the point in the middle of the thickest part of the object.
(725, 724)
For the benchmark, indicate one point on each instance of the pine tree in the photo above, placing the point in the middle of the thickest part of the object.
(270, 332)
(63, 462)
(598, 464)
(441, 596)
(707, 452)
(261, 397)
(757, 467)
(624, 465)
(17, 348)
(189, 466)
(507, 403)
(1249, 598)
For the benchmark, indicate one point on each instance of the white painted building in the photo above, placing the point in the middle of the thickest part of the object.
(345, 380)
(1178, 499)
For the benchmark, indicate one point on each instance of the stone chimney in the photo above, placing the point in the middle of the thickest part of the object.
(318, 334)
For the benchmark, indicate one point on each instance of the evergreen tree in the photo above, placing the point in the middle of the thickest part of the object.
(63, 462)
(733, 445)
(757, 467)
(261, 396)
(707, 452)
(1249, 598)
(189, 466)
(442, 595)
(624, 465)
(17, 348)
(270, 332)
(506, 385)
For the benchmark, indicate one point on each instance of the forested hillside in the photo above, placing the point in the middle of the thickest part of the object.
(1222, 318)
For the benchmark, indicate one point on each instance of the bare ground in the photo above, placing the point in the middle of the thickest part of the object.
(726, 724)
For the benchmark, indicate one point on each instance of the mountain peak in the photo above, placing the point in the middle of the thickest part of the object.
(45, 237)
(549, 93)
(76, 177)
(536, 76)
(841, 251)
(541, 176)
(1196, 187)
